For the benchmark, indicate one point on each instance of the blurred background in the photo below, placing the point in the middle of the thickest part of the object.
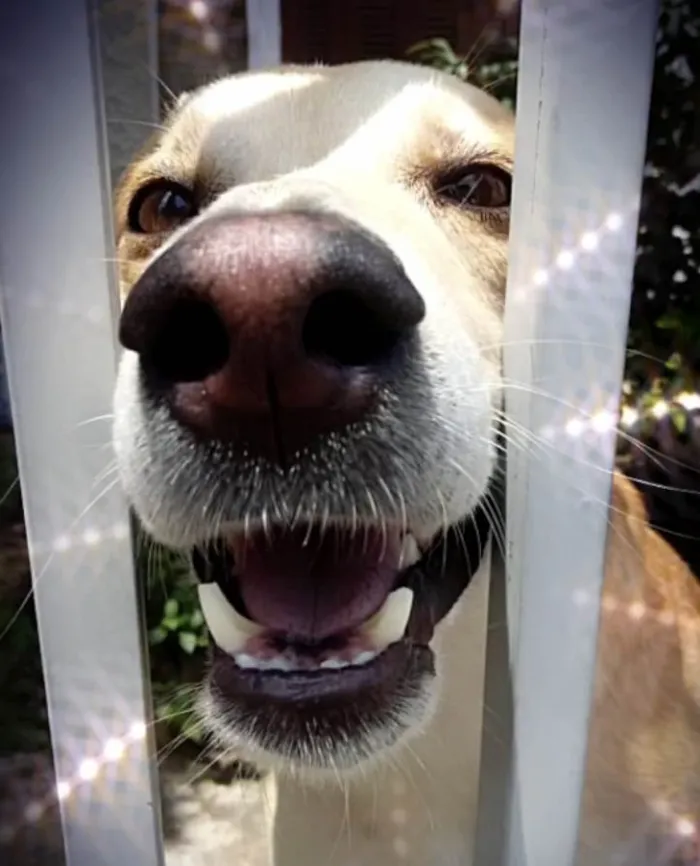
(659, 443)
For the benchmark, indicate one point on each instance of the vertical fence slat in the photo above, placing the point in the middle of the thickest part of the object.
(58, 309)
(583, 99)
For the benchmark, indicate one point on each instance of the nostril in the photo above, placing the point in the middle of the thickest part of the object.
(190, 343)
(340, 326)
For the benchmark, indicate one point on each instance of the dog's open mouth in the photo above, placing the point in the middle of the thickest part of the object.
(321, 613)
(311, 601)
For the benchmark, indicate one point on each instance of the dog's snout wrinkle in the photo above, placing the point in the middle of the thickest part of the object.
(308, 308)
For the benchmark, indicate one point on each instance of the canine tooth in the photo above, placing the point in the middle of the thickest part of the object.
(410, 554)
(229, 629)
(389, 623)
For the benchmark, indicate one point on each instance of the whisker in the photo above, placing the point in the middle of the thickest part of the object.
(95, 419)
(146, 123)
(8, 491)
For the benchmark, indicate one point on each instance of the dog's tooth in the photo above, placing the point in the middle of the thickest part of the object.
(243, 660)
(251, 662)
(364, 657)
(410, 554)
(228, 628)
(333, 663)
(279, 663)
(389, 623)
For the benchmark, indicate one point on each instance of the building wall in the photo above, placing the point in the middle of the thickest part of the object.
(316, 30)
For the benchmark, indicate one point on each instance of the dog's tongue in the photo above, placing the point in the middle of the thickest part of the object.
(312, 585)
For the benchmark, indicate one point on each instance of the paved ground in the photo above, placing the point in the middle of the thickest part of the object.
(218, 825)
(207, 823)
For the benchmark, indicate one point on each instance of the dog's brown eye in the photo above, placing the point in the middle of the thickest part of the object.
(482, 187)
(160, 208)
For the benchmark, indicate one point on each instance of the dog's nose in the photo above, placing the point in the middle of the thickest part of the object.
(269, 330)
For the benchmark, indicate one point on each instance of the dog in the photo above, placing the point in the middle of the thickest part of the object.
(312, 267)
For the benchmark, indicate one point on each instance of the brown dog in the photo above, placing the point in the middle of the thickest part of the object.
(313, 264)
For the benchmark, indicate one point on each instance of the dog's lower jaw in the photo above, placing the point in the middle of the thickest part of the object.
(326, 764)
(416, 803)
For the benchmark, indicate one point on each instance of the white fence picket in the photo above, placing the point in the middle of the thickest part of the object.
(58, 312)
(584, 86)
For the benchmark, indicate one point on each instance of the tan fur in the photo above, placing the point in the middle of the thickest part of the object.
(417, 807)
(644, 736)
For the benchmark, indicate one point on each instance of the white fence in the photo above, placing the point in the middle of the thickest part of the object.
(583, 94)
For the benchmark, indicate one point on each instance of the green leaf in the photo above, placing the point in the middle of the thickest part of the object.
(188, 641)
(157, 635)
(171, 608)
(679, 420)
(675, 361)
(668, 322)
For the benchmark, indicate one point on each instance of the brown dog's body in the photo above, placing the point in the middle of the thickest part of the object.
(644, 760)
(253, 187)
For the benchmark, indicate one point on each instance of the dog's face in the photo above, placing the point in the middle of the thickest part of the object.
(313, 264)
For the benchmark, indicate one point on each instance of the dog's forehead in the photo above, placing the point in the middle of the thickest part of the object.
(267, 123)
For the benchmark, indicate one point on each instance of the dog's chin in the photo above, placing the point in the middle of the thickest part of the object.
(322, 658)
(318, 740)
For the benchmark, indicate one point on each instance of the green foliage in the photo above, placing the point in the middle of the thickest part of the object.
(495, 71)
(175, 715)
(181, 619)
(178, 639)
(439, 54)
(665, 320)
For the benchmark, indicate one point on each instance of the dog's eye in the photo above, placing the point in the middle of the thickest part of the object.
(160, 207)
(481, 187)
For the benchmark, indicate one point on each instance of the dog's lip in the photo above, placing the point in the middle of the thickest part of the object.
(321, 691)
